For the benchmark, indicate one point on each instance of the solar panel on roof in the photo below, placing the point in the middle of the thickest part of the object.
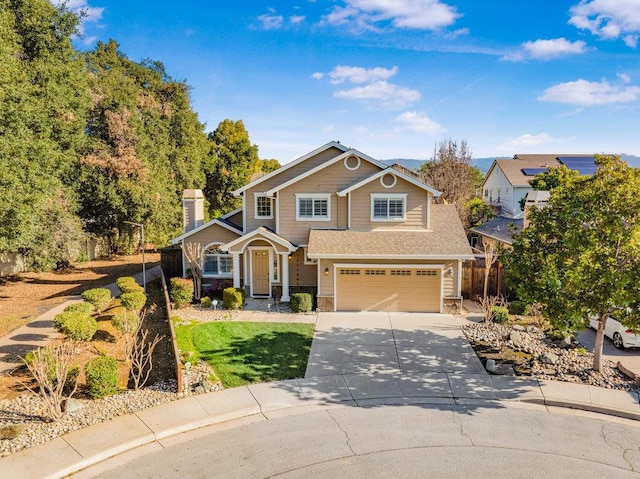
(533, 171)
(576, 159)
(584, 165)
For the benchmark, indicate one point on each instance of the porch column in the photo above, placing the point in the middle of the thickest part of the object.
(285, 277)
(236, 269)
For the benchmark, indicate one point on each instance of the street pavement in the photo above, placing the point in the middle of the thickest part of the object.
(629, 358)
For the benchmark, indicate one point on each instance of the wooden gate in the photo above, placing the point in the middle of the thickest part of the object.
(473, 279)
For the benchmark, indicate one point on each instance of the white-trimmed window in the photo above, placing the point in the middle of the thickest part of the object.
(263, 207)
(276, 267)
(388, 207)
(216, 263)
(313, 207)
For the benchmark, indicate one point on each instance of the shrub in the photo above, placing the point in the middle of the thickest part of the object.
(517, 307)
(301, 302)
(499, 314)
(233, 298)
(127, 284)
(181, 291)
(80, 327)
(102, 376)
(205, 303)
(83, 307)
(124, 321)
(99, 297)
(133, 301)
(60, 319)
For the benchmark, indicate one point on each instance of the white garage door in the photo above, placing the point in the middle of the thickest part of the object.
(388, 289)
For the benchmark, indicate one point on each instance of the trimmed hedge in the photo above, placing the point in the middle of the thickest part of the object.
(133, 301)
(127, 284)
(102, 376)
(233, 298)
(83, 307)
(80, 327)
(499, 314)
(99, 297)
(301, 302)
(205, 302)
(181, 291)
(61, 319)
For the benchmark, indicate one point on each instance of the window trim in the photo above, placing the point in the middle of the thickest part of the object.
(226, 255)
(313, 197)
(389, 196)
(255, 206)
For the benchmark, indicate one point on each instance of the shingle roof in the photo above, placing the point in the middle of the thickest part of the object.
(512, 169)
(446, 239)
(501, 228)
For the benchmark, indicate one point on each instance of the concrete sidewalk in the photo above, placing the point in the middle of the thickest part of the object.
(77, 450)
(40, 331)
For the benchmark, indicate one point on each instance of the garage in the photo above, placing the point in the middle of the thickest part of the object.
(409, 288)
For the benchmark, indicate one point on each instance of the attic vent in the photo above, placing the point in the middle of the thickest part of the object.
(388, 180)
(352, 162)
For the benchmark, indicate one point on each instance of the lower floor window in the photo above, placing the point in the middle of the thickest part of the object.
(217, 263)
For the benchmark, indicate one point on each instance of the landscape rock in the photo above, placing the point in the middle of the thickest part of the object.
(549, 358)
(199, 390)
(518, 327)
(532, 329)
(72, 405)
(491, 365)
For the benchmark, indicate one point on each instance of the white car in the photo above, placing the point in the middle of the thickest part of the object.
(621, 336)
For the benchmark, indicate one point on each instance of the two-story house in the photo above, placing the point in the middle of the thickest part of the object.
(361, 234)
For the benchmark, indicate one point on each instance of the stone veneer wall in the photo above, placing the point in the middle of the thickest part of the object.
(325, 303)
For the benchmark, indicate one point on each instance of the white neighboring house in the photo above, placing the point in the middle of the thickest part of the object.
(507, 181)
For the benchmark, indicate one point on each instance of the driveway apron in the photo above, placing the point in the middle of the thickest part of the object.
(390, 343)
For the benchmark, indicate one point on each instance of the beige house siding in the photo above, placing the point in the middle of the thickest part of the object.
(301, 274)
(327, 181)
(416, 207)
(450, 274)
(213, 234)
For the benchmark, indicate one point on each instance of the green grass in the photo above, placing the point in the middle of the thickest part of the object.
(243, 353)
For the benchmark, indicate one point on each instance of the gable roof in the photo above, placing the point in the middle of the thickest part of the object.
(446, 240)
(297, 161)
(322, 166)
(392, 171)
(500, 228)
(266, 233)
(218, 221)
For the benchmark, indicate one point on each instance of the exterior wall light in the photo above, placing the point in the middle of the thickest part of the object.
(326, 271)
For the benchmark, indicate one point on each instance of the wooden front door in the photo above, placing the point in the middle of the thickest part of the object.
(260, 278)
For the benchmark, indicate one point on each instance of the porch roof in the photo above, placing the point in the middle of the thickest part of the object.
(280, 244)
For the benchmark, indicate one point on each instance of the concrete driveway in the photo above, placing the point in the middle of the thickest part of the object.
(394, 343)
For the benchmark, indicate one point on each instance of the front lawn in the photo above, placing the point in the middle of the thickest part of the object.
(242, 352)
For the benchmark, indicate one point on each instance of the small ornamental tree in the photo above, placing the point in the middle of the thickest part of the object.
(580, 255)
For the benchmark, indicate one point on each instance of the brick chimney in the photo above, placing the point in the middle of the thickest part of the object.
(193, 209)
(539, 199)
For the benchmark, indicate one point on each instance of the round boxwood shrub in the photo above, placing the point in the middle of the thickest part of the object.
(301, 302)
(517, 307)
(181, 292)
(133, 301)
(127, 284)
(99, 297)
(499, 314)
(233, 298)
(205, 302)
(82, 307)
(61, 319)
(102, 376)
(80, 327)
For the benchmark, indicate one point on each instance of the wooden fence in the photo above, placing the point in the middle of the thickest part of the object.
(473, 279)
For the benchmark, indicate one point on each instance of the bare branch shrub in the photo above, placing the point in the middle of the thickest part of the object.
(490, 257)
(139, 349)
(487, 303)
(193, 255)
(53, 369)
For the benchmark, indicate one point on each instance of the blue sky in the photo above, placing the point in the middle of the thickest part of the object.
(393, 77)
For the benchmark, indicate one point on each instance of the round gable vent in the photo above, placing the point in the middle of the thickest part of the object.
(352, 162)
(388, 180)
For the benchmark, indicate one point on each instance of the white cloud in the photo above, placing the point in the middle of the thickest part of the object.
(382, 93)
(407, 14)
(624, 77)
(296, 19)
(342, 73)
(608, 19)
(317, 75)
(328, 129)
(585, 93)
(527, 140)
(270, 21)
(547, 49)
(419, 122)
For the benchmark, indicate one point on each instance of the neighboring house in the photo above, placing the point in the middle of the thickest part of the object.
(359, 234)
(507, 181)
(499, 230)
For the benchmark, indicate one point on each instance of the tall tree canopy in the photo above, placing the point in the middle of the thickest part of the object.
(233, 159)
(581, 254)
(450, 171)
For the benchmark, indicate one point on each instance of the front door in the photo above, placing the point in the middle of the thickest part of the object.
(260, 268)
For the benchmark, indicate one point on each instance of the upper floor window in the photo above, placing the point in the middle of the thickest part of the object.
(388, 207)
(216, 262)
(263, 207)
(315, 207)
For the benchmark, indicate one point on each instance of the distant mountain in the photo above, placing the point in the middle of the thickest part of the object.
(631, 160)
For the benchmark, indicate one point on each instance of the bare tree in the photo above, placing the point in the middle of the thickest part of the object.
(193, 255)
(52, 368)
(138, 349)
(490, 257)
(450, 171)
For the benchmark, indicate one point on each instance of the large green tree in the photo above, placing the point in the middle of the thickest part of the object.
(233, 159)
(580, 254)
